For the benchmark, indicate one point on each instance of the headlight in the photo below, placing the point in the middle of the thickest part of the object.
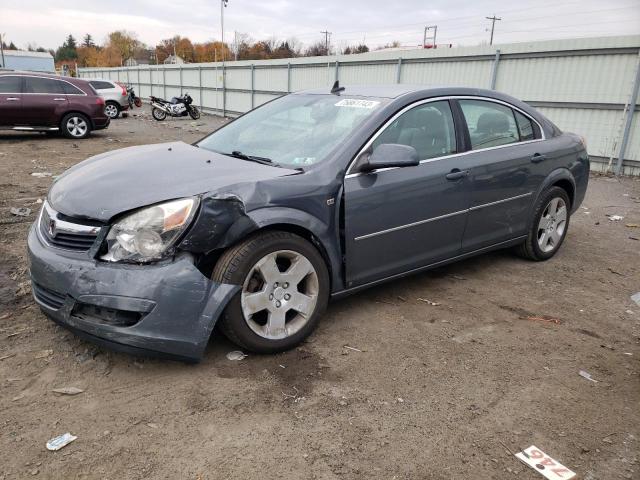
(149, 233)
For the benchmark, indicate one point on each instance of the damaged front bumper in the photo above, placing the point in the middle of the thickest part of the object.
(163, 309)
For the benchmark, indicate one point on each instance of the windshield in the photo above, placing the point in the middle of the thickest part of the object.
(293, 131)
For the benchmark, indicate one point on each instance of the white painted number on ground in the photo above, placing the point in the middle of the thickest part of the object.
(544, 464)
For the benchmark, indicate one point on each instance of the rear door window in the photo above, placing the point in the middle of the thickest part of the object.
(490, 124)
(428, 128)
(10, 84)
(99, 85)
(42, 85)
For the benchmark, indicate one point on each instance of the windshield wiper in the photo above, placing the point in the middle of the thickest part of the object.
(252, 158)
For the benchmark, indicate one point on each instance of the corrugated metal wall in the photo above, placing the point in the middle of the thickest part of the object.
(582, 85)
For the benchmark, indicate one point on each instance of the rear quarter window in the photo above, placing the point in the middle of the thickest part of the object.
(525, 126)
(71, 89)
(99, 85)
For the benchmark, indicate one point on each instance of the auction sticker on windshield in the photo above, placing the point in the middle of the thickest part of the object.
(357, 103)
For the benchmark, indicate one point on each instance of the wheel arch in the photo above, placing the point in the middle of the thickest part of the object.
(292, 220)
(308, 227)
(560, 177)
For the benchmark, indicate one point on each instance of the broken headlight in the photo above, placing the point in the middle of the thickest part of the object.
(148, 234)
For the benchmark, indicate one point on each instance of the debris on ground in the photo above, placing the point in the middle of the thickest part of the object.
(433, 304)
(615, 218)
(236, 356)
(43, 354)
(545, 319)
(352, 348)
(636, 298)
(4, 357)
(587, 376)
(68, 390)
(41, 174)
(295, 397)
(20, 211)
(544, 464)
(632, 225)
(61, 441)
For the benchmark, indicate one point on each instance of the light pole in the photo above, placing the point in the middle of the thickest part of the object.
(223, 5)
(2, 49)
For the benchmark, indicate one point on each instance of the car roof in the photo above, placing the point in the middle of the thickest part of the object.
(399, 89)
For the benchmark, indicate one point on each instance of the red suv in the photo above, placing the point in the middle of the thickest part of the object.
(50, 103)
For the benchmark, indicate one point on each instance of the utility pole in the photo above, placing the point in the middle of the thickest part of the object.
(2, 49)
(326, 41)
(493, 25)
(424, 38)
(235, 44)
(223, 5)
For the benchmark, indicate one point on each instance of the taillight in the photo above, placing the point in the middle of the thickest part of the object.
(124, 90)
(99, 101)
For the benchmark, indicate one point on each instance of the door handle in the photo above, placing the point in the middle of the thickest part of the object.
(59, 99)
(538, 158)
(456, 174)
(12, 99)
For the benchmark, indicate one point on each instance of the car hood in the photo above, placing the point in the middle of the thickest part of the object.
(114, 182)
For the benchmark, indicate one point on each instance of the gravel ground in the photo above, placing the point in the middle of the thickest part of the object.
(427, 391)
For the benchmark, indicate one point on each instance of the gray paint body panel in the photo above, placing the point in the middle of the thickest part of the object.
(426, 219)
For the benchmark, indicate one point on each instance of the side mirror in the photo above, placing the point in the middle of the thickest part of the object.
(389, 155)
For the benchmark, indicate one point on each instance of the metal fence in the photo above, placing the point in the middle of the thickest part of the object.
(587, 86)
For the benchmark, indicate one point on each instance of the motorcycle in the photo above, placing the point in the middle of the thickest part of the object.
(133, 100)
(177, 107)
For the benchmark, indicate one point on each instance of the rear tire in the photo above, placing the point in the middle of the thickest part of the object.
(549, 226)
(274, 311)
(76, 126)
(158, 114)
(112, 110)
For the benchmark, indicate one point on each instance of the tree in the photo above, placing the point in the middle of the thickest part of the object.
(87, 41)
(124, 43)
(210, 51)
(184, 49)
(317, 49)
(67, 51)
(362, 48)
(89, 57)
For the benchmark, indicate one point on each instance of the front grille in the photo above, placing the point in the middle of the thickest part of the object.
(64, 234)
(48, 297)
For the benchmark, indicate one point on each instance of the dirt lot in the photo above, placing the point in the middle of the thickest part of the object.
(432, 391)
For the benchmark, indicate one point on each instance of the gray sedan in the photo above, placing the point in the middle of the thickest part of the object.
(312, 196)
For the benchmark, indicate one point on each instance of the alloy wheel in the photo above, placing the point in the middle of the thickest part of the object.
(279, 295)
(552, 225)
(111, 110)
(77, 126)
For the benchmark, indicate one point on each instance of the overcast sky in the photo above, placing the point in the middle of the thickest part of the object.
(376, 22)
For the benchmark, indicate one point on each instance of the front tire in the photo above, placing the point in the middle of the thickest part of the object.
(158, 114)
(549, 225)
(76, 126)
(112, 110)
(194, 113)
(285, 290)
